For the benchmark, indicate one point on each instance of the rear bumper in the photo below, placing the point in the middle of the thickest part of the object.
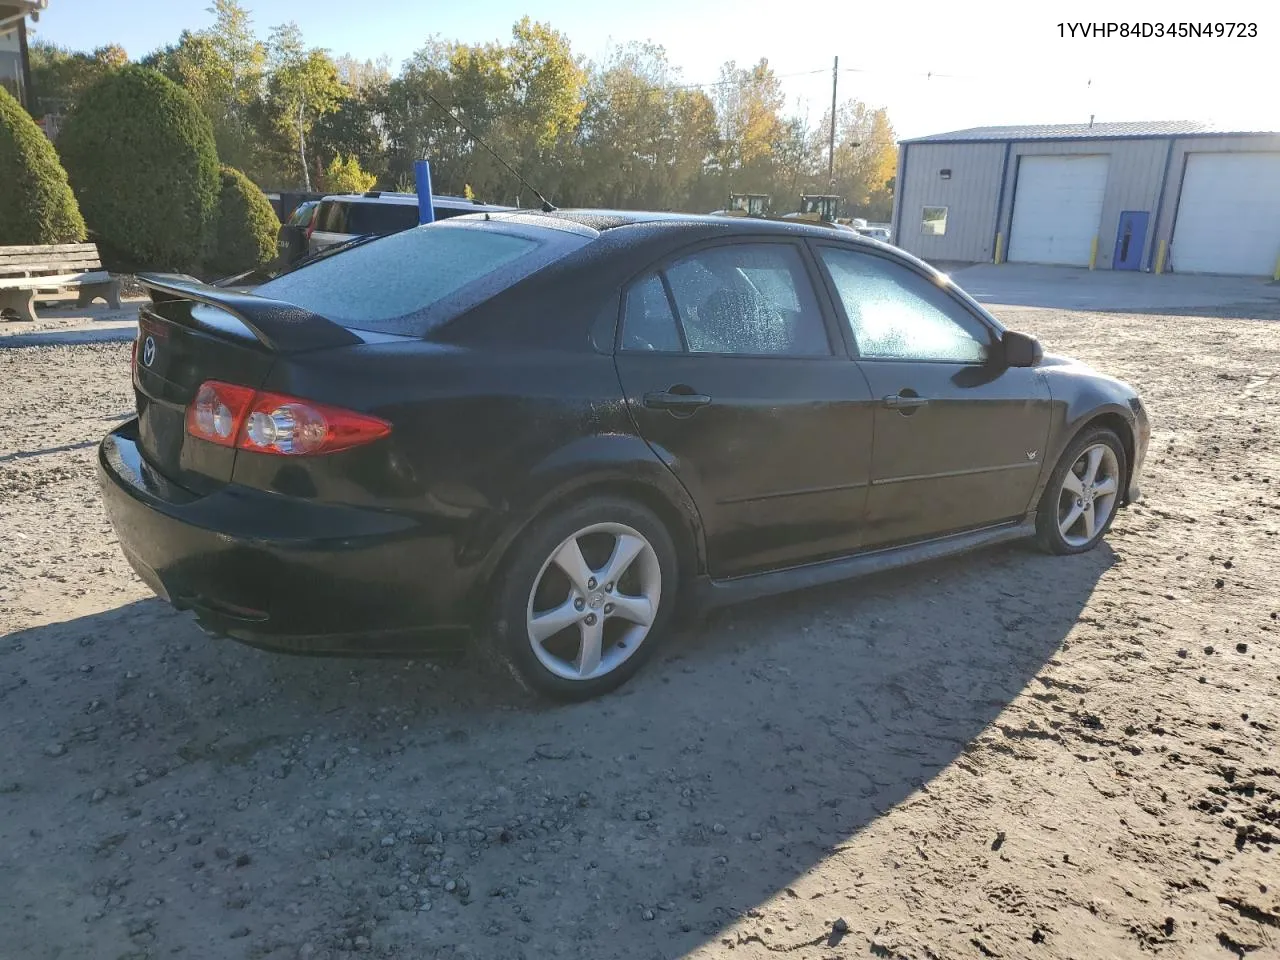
(281, 572)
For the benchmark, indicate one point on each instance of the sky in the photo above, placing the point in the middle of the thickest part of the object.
(935, 65)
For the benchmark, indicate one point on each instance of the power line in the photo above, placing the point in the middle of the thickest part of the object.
(735, 82)
(826, 71)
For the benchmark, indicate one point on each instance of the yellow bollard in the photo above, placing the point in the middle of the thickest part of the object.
(1160, 258)
(1000, 248)
(1276, 276)
(1093, 253)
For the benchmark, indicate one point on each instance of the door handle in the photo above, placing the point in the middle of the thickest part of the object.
(896, 401)
(677, 402)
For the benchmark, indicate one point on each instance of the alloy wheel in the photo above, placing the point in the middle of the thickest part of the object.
(594, 601)
(1088, 495)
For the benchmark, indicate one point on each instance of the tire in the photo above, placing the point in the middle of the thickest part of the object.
(533, 583)
(1056, 507)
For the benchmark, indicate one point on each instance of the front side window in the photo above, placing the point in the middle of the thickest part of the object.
(748, 298)
(896, 314)
(933, 221)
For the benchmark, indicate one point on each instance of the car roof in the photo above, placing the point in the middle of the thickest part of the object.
(411, 200)
(605, 220)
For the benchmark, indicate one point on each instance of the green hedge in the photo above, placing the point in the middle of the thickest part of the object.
(246, 229)
(36, 203)
(143, 164)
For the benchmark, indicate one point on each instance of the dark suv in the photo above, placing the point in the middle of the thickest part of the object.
(291, 241)
(342, 218)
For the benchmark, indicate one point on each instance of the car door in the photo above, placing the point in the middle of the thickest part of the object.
(735, 374)
(959, 437)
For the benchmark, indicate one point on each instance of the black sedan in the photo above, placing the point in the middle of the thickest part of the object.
(550, 432)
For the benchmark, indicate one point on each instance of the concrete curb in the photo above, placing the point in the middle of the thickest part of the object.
(106, 333)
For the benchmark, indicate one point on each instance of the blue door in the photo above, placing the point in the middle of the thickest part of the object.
(1130, 239)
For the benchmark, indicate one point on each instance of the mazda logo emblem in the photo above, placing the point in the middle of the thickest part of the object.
(148, 352)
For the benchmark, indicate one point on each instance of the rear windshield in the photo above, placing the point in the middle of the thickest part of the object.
(373, 217)
(301, 217)
(414, 280)
(380, 218)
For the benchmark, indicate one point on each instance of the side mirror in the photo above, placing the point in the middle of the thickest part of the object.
(1020, 349)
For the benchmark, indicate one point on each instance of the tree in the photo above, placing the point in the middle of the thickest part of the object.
(143, 165)
(343, 175)
(866, 160)
(36, 203)
(359, 76)
(223, 68)
(474, 83)
(749, 104)
(796, 162)
(246, 227)
(625, 134)
(355, 129)
(697, 140)
(624, 131)
(547, 81)
(302, 87)
(59, 76)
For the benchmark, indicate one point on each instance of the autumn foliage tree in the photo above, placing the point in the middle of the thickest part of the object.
(343, 175)
(627, 130)
(59, 77)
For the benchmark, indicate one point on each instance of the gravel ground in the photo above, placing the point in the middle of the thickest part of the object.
(1004, 755)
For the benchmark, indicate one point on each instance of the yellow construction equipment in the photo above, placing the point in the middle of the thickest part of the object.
(747, 205)
(822, 207)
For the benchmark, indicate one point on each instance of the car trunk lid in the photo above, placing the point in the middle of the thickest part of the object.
(191, 333)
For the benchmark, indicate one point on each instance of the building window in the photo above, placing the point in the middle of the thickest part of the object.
(11, 62)
(933, 222)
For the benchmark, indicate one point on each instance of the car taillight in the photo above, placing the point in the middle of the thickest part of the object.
(218, 411)
(235, 416)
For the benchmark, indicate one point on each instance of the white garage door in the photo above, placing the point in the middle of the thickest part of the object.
(1057, 206)
(1229, 214)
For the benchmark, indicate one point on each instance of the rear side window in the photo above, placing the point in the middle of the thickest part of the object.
(650, 323)
(413, 280)
(332, 217)
(380, 218)
(744, 298)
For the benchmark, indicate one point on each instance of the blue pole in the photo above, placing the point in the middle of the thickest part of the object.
(422, 172)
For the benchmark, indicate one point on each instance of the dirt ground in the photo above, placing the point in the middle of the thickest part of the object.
(1004, 755)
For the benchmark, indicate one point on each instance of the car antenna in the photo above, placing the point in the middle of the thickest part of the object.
(547, 205)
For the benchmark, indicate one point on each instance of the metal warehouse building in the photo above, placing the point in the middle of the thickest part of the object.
(1174, 195)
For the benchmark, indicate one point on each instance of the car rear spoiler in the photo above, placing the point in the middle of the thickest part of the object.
(280, 327)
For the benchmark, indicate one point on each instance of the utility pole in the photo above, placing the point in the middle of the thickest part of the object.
(831, 145)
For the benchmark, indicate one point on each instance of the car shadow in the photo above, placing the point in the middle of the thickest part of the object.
(647, 821)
